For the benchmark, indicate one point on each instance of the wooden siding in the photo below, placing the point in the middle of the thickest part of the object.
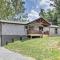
(33, 27)
(40, 21)
(13, 29)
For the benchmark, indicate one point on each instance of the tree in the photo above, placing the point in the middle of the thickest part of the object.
(9, 8)
(6, 9)
(50, 14)
(18, 5)
(55, 21)
(56, 4)
(42, 13)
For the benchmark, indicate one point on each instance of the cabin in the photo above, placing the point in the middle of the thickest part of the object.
(38, 27)
(54, 30)
(10, 30)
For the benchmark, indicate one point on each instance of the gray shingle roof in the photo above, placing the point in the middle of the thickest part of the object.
(12, 22)
(54, 26)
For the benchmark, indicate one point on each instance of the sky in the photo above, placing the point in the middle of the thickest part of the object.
(33, 7)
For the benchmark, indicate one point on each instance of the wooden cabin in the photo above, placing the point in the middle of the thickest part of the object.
(38, 27)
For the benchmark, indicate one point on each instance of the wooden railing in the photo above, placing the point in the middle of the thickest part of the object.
(34, 32)
(37, 32)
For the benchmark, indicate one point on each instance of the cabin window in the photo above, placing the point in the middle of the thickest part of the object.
(40, 28)
(26, 27)
(56, 31)
(31, 27)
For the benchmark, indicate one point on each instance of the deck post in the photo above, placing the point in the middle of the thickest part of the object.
(49, 31)
(31, 37)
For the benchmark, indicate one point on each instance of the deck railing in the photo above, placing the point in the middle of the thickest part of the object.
(37, 32)
(34, 32)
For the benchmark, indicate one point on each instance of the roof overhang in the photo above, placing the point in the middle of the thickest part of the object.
(39, 19)
(54, 26)
(13, 22)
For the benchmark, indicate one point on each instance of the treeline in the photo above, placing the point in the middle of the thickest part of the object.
(10, 8)
(54, 14)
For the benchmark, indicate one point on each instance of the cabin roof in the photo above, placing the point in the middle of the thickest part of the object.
(23, 23)
(13, 22)
(54, 26)
(40, 19)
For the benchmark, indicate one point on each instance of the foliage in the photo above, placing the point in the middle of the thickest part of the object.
(5, 9)
(56, 4)
(52, 16)
(42, 13)
(18, 6)
(55, 21)
(9, 8)
(40, 48)
(49, 15)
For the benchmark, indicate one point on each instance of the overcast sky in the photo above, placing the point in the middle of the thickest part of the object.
(33, 7)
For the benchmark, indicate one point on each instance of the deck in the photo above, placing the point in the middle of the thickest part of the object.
(35, 35)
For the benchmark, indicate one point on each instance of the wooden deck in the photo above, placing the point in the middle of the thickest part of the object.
(35, 35)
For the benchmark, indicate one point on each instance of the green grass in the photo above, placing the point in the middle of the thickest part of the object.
(46, 48)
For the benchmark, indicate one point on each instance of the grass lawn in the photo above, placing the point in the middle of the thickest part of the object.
(47, 48)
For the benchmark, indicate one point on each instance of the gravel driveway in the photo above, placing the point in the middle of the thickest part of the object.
(5, 54)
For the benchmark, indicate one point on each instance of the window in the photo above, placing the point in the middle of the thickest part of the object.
(26, 27)
(56, 31)
(41, 28)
